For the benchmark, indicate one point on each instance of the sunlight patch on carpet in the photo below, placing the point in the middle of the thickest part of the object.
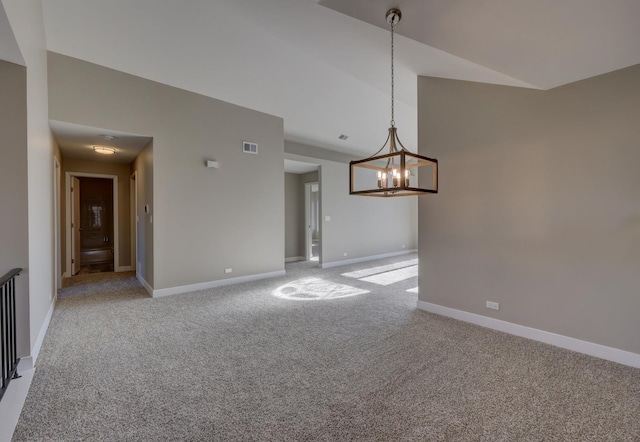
(381, 269)
(413, 290)
(393, 276)
(314, 289)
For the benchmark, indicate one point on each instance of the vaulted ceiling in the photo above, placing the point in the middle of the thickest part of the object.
(324, 65)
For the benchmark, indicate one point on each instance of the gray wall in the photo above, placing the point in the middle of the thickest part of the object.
(294, 210)
(14, 234)
(359, 226)
(309, 177)
(204, 220)
(143, 166)
(124, 225)
(25, 17)
(539, 205)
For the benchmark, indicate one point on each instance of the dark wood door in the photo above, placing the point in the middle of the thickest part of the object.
(96, 203)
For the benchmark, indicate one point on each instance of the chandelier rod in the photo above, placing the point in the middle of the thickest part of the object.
(393, 122)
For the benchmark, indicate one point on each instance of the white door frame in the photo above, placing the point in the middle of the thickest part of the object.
(116, 245)
(133, 200)
(57, 258)
(307, 220)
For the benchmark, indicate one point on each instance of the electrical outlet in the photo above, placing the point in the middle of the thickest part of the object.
(345, 253)
(228, 270)
(493, 305)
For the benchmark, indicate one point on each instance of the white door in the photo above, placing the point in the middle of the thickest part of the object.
(133, 198)
(75, 225)
(312, 220)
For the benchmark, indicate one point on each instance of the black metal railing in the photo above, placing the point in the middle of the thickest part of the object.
(8, 355)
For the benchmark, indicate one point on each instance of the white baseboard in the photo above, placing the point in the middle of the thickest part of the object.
(294, 259)
(326, 265)
(25, 364)
(211, 284)
(589, 348)
(12, 403)
(123, 269)
(145, 284)
(30, 361)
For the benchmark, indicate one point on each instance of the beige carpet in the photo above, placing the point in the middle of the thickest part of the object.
(315, 355)
(91, 278)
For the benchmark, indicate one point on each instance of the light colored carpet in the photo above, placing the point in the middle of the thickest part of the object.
(237, 363)
(91, 278)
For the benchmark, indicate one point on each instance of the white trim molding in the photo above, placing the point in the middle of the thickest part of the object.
(69, 216)
(566, 342)
(123, 269)
(29, 362)
(144, 283)
(327, 265)
(25, 364)
(13, 401)
(212, 284)
(294, 259)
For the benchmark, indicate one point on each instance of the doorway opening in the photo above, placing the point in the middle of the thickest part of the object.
(92, 223)
(312, 220)
(303, 207)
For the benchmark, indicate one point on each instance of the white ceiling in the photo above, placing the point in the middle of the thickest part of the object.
(9, 50)
(324, 66)
(77, 141)
(545, 43)
(299, 167)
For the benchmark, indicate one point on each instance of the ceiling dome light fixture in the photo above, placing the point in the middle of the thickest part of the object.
(394, 173)
(105, 150)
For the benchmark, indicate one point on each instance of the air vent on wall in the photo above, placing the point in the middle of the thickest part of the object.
(248, 147)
